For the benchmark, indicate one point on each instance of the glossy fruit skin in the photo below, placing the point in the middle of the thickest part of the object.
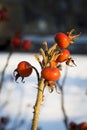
(51, 74)
(62, 40)
(53, 63)
(24, 69)
(26, 45)
(63, 56)
(16, 42)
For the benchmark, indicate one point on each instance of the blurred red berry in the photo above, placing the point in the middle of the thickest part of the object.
(4, 120)
(16, 42)
(4, 15)
(72, 124)
(83, 126)
(26, 45)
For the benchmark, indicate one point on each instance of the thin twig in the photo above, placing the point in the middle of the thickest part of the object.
(61, 86)
(3, 72)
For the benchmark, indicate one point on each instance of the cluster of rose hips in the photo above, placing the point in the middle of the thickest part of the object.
(51, 61)
(64, 40)
(81, 126)
(17, 42)
(4, 14)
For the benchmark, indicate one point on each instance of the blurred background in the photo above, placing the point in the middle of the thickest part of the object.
(40, 20)
(37, 21)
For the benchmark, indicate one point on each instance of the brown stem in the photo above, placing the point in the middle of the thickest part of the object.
(3, 72)
(38, 104)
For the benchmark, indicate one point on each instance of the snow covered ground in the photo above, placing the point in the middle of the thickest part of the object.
(21, 97)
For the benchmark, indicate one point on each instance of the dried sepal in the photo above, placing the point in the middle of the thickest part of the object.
(48, 54)
(50, 89)
(51, 49)
(45, 58)
(70, 62)
(45, 45)
(71, 31)
(51, 86)
(51, 54)
(72, 36)
(38, 59)
(17, 75)
(59, 66)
